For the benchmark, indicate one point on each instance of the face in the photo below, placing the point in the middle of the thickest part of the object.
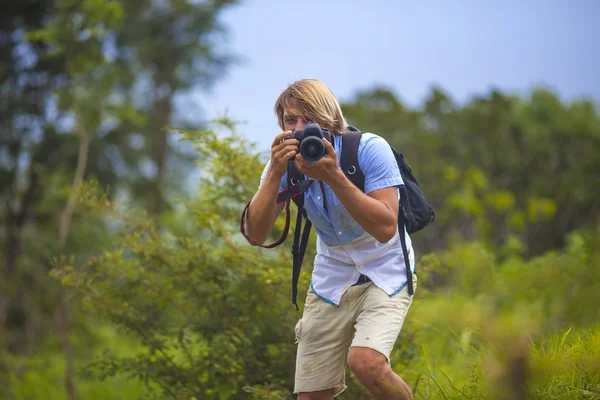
(293, 121)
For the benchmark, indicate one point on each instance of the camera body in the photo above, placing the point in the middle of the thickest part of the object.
(310, 140)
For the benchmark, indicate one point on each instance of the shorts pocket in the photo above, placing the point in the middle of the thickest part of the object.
(313, 306)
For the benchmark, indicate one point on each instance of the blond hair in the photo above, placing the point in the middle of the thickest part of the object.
(314, 101)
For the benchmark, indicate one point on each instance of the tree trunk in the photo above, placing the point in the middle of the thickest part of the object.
(62, 319)
(63, 312)
(164, 111)
(14, 225)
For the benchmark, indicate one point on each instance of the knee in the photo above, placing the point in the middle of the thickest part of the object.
(366, 364)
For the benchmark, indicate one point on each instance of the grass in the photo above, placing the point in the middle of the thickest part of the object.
(40, 377)
(564, 365)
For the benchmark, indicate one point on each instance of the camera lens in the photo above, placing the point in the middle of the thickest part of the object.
(312, 149)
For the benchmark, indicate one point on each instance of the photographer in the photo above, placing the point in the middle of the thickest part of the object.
(357, 300)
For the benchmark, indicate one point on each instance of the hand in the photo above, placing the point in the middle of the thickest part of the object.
(282, 150)
(323, 170)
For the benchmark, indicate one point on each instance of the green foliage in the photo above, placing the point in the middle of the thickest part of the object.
(496, 167)
(76, 75)
(41, 376)
(483, 328)
(212, 315)
(176, 304)
(213, 319)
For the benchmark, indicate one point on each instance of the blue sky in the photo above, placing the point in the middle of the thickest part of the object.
(466, 47)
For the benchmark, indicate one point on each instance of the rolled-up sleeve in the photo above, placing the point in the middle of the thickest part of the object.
(378, 163)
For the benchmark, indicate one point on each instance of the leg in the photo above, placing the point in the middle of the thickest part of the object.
(324, 334)
(374, 372)
(378, 325)
(320, 395)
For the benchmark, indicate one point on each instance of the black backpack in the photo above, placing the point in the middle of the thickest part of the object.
(414, 212)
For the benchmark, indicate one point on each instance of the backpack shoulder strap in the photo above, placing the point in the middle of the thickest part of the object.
(299, 247)
(349, 164)
(349, 158)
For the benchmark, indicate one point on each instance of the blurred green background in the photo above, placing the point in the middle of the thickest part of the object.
(123, 273)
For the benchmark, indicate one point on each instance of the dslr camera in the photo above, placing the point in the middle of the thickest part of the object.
(310, 140)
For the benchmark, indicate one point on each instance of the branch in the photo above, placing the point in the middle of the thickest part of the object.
(65, 217)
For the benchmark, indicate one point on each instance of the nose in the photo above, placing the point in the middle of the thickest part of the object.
(300, 124)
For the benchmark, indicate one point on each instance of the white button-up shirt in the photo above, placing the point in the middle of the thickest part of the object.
(344, 249)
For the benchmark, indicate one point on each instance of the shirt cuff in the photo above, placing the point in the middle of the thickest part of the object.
(383, 183)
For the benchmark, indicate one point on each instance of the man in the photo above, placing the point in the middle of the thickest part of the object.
(357, 300)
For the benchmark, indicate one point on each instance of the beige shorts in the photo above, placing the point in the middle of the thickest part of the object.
(366, 317)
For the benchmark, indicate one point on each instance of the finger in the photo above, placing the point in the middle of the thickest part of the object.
(287, 143)
(286, 152)
(302, 165)
(287, 156)
(286, 147)
(299, 166)
(278, 151)
(279, 138)
(276, 147)
(328, 147)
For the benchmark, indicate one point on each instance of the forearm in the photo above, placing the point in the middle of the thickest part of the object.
(263, 210)
(373, 215)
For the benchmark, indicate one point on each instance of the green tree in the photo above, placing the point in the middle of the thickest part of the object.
(168, 49)
(213, 317)
(70, 74)
(212, 314)
(497, 167)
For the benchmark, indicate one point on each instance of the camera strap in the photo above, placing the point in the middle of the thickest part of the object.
(294, 192)
(283, 234)
(285, 196)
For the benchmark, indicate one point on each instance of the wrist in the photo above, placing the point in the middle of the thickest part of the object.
(338, 179)
(274, 176)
